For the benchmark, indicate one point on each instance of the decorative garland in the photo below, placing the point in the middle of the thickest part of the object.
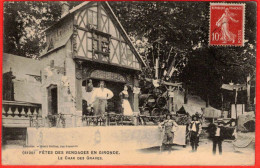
(54, 120)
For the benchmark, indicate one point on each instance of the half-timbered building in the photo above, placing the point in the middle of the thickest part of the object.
(88, 42)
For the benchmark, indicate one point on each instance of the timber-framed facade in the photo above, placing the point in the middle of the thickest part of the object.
(87, 43)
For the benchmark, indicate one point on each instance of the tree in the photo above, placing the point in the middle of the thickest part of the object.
(24, 23)
(173, 31)
(184, 26)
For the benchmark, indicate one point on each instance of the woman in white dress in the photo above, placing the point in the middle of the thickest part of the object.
(126, 107)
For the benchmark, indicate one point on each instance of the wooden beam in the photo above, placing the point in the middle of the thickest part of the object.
(166, 83)
(85, 59)
(172, 84)
(157, 68)
(170, 102)
(120, 28)
(78, 86)
(99, 16)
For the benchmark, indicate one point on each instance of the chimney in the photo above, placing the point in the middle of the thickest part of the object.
(64, 8)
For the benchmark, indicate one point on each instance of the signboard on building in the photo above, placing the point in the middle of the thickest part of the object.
(105, 75)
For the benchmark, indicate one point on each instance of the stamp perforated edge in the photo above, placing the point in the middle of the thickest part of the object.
(243, 36)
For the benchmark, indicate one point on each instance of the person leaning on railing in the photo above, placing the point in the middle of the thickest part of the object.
(99, 99)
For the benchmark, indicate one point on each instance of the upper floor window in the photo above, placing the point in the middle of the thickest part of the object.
(100, 45)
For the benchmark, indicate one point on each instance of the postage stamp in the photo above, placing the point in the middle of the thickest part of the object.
(227, 24)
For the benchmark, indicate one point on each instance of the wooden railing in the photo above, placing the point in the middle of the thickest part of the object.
(24, 114)
(95, 120)
(150, 120)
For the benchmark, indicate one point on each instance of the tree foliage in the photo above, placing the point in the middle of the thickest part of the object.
(172, 31)
(24, 23)
(184, 26)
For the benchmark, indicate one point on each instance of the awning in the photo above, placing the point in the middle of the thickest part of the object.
(237, 87)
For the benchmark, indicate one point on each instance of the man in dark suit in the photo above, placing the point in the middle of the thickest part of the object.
(217, 134)
(195, 130)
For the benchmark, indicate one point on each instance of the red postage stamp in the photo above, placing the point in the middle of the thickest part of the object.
(227, 24)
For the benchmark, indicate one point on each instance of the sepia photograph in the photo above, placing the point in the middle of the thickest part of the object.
(169, 83)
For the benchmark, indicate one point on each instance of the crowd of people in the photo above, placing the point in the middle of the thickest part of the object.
(217, 133)
(169, 126)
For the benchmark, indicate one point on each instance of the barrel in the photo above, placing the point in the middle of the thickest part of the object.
(159, 112)
(147, 100)
(165, 111)
(161, 102)
(156, 112)
(145, 111)
(157, 91)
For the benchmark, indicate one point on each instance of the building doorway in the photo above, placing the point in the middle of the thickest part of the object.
(52, 100)
(114, 104)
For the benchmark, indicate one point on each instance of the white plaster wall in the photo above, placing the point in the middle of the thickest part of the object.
(66, 99)
(27, 91)
(26, 87)
(21, 66)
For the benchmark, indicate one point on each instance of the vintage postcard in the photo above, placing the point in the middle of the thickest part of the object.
(129, 83)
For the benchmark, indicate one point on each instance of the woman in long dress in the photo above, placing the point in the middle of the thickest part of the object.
(223, 22)
(126, 107)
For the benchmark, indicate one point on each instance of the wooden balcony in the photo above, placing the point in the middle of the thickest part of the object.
(20, 114)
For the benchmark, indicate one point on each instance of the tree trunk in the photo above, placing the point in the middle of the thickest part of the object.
(186, 95)
(207, 102)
